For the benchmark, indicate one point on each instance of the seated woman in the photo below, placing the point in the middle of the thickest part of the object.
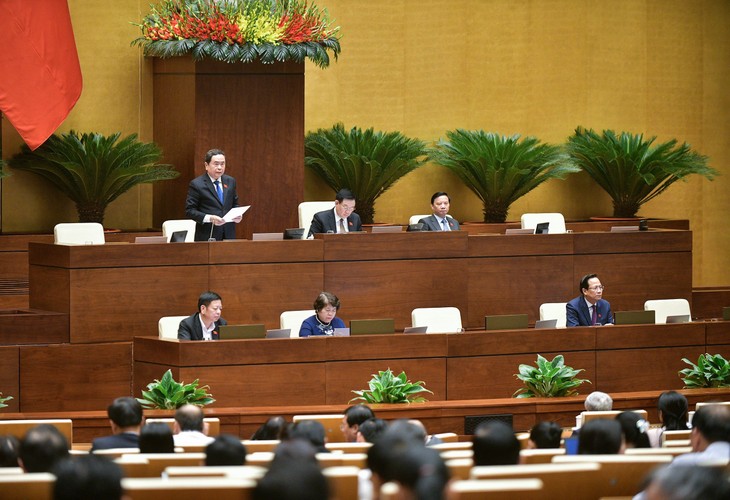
(672, 414)
(324, 321)
(634, 428)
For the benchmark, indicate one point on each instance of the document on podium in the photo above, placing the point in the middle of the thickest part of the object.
(235, 212)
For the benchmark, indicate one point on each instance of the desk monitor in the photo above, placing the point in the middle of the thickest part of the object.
(546, 323)
(518, 230)
(418, 226)
(387, 229)
(283, 333)
(371, 326)
(267, 236)
(179, 236)
(294, 233)
(678, 318)
(726, 313)
(227, 332)
(415, 329)
(150, 239)
(542, 228)
(505, 322)
(634, 317)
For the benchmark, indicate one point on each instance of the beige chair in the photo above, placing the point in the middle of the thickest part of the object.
(307, 210)
(587, 416)
(437, 319)
(294, 319)
(254, 445)
(18, 428)
(348, 447)
(168, 326)
(343, 481)
(447, 437)
(415, 218)
(246, 471)
(220, 488)
(331, 424)
(153, 464)
(499, 489)
(672, 450)
(78, 233)
(574, 481)
(213, 424)
(326, 460)
(554, 310)
(667, 307)
(460, 468)
(674, 436)
(556, 220)
(32, 485)
(540, 456)
(112, 453)
(171, 226)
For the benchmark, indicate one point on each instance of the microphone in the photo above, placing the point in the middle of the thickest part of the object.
(210, 236)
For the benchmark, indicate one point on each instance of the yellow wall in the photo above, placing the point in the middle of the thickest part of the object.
(530, 67)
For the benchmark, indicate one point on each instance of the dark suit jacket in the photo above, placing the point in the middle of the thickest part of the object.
(431, 223)
(325, 221)
(202, 200)
(190, 328)
(123, 440)
(578, 314)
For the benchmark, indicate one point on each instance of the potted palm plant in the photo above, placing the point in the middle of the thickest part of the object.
(500, 169)
(631, 169)
(367, 163)
(92, 169)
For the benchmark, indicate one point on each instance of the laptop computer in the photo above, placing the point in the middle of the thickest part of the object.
(228, 332)
(623, 229)
(515, 230)
(505, 322)
(546, 323)
(267, 236)
(293, 233)
(542, 228)
(371, 326)
(415, 329)
(634, 317)
(678, 318)
(179, 236)
(283, 333)
(150, 239)
(340, 332)
(387, 229)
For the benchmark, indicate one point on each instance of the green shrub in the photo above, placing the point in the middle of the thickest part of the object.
(385, 387)
(710, 371)
(550, 379)
(167, 394)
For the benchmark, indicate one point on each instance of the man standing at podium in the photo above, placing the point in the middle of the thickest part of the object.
(210, 197)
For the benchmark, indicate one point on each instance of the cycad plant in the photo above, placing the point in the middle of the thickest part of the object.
(386, 387)
(631, 169)
(367, 163)
(94, 170)
(500, 169)
(167, 394)
(548, 379)
(710, 371)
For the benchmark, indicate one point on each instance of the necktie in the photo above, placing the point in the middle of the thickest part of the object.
(219, 190)
(594, 317)
(444, 227)
(342, 226)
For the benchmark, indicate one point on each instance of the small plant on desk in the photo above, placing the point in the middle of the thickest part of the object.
(549, 379)
(167, 394)
(385, 387)
(710, 371)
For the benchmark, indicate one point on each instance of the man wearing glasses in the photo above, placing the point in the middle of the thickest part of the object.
(589, 309)
(341, 219)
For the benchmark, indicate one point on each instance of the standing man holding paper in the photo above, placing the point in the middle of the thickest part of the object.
(210, 197)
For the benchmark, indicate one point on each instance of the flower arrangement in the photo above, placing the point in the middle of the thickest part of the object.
(240, 31)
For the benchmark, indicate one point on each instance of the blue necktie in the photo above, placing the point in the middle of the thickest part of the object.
(219, 190)
(443, 225)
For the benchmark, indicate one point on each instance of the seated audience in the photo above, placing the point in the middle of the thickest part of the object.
(87, 477)
(190, 428)
(598, 401)
(354, 416)
(601, 437)
(9, 451)
(204, 324)
(370, 430)
(545, 435)
(295, 449)
(324, 321)
(311, 431)
(710, 436)
(225, 450)
(687, 482)
(42, 448)
(125, 418)
(156, 437)
(272, 429)
(495, 443)
(292, 480)
(635, 429)
(672, 408)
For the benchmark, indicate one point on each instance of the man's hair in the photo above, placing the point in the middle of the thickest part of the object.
(357, 414)
(86, 477)
(211, 153)
(125, 412)
(673, 409)
(598, 401)
(372, 429)
(206, 298)
(438, 194)
(324, 299)
(9, 451)
(292, 480)
(41, 448)
(600, 437)
(225, 450)
(189, 418)
(690, 482)
(584, 281)
(546, 434)
(344, 194)
(271, 429)
(311, 431)
(156, 437)
(713, 422)
(495, 443)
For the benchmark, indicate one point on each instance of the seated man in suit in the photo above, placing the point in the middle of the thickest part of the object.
(341, 219)
(204, 324)
(440, 203)
(125, 417)
(589, 308)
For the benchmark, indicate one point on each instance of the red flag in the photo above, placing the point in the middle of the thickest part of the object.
(40, 76)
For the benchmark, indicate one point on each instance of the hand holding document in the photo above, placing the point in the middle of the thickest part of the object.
(235, 213)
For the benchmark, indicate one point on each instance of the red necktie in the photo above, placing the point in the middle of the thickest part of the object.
(594, 317)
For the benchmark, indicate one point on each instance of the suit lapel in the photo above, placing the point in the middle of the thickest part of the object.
(585, 311)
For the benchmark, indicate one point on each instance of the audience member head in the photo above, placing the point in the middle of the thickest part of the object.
(635, 429)
(602, 436)
(598, 401)
(673, 411)
(545, 435)
(225, 450)
(495, 443)
(298, 450)
(387, 450)
(156, 437)
(125, 415)
(271, 429)
(87, 477)
(292, 480)
(9, 451)
(41, 448)
(421, 472)
(189, 418)
(311, 431)
(710, 424)
(688, 482)
(354, 416)
(371, 429)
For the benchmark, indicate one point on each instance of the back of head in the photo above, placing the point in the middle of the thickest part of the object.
(125, 412)
(398, 438)
(422, 471)
(189, 418)
(635, 429)
(372, 429)
(271, 429)
(689, 482)
(9, 451)
(600, 437)
(41, 448)
(673, 410)
(598, 401)
(298, 450)
(357, 414)
(225, 450)
(156, 437)
(546, 435)
(495, 443)
(309, 430)
(713, 422)
(87, 477)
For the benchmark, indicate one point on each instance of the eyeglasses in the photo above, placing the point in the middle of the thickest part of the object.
(597, 288)
(346, 208)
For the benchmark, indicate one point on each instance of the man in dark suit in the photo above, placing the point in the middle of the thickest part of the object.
(125, 417)
(440, 204)
(589, 308)
(341, 219)
(204, 324)
(210, 197)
